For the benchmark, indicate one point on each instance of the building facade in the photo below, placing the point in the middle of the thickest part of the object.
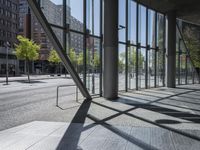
(38, 35)
(8, 32)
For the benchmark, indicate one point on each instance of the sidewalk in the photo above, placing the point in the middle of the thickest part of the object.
(32, 77)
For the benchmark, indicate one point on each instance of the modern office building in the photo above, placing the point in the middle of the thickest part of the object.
(8, 32)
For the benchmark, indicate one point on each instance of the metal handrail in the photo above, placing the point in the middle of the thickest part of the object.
(76, 91)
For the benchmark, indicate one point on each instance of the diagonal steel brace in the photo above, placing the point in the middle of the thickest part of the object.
(55, 42)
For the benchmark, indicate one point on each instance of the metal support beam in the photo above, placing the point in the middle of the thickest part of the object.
(138, 48)
(147, 41)
(127, 48)
(55, 42)
(156, 51)
(111, 49)
(171, 50)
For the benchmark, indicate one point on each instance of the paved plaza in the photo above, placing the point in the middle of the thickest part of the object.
(160, 118)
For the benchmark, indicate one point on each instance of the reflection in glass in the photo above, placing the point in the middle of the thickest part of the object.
(121, 68)
(122, 20)
(151, 68)
(75, 52)
(53, 11)
(151, 28)
(93, 17)
(132, 68)
(132, 22)
(189, 71)
(160, 67)
(76, 14)
(182, 68)
(93, 65)
(141, 67)
(160, 53)
(142, 25)
(160, 31)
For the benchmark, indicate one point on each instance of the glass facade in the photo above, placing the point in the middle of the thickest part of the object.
(142, 34)
(78, 24)
(185, 71)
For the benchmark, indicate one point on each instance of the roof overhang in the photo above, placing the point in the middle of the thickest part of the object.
(188, 10)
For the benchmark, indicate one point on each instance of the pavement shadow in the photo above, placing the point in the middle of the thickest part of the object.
(31, 82)
(159, 100)
(72, 134)
(157, 123)
(122, 134)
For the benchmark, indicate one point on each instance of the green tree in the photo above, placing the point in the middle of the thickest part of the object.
(73, 57)
(79, 62)
(131, 59)
(193, 44)
(80, 59)
(96, 60)
(121, 62)
(54, 58)
(27, 50)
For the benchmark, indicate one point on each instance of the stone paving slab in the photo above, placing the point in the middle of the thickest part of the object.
(40, 135)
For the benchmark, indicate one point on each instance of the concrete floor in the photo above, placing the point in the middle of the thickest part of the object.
(160, 118)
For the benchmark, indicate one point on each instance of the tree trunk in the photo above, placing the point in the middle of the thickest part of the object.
(60, 68)
(25, 66)
(198, 73)
(56, 68)
(28, 71)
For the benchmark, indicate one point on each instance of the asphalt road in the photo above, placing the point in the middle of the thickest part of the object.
(23, 102)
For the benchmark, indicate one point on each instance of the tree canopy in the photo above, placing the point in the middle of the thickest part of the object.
(26, 49)
(193, 44)
(53, 57)
(73, 56)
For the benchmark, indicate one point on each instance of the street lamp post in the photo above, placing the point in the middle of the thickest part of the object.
(7, 73)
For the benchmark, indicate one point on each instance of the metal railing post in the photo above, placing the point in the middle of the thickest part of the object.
(57, 97)
(76, 94)
(57, 94)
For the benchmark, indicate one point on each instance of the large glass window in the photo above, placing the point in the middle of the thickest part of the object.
(185, 69)
(131, 68)
(122, 20)
(189, 71)
(93, 16)
(121, 67)
(132, 22)
(151, 28)
(182, 68)
(53, 11)
(141, 67)
(141, 42)
(83, 42)
(93, 46)
(160, 51)
(145, 45)
(142, 25)
(93, 65)
(151, 68)
(76, 14)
